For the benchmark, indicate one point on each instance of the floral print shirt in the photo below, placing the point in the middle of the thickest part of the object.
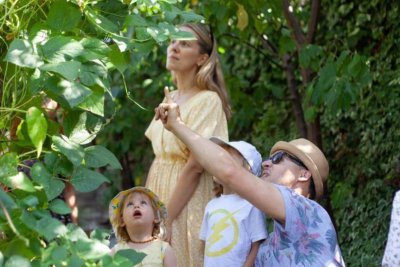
(308, 237)
(391, 257)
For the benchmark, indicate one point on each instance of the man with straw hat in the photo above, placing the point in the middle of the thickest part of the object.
(294, 173)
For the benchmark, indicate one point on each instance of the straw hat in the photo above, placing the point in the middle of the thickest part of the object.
(311, 156)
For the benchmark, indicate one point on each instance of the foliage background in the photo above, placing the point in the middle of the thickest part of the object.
(361, 138)
(351, 96)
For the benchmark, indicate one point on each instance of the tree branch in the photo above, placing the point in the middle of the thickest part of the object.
(295, 96)
(312, 23)
(257, 49)
(294, 24)
(269, 45)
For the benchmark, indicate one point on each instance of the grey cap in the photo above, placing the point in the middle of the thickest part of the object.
(248, 151)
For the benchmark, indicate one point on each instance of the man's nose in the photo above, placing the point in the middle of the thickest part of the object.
(266, 163)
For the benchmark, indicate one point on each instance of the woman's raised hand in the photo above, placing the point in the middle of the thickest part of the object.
(168, 111)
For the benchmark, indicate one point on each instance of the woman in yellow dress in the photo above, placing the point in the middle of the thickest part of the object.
(174, 176)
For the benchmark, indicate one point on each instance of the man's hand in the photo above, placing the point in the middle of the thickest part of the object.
(168, 112)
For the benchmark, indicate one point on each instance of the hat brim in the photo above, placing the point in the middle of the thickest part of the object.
(303, 157)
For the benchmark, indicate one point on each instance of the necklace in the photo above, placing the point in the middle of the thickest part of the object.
(145, 241)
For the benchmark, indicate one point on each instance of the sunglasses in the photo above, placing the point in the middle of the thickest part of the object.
(277, 157)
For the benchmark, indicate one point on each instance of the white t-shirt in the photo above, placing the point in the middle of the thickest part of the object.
(230, 225)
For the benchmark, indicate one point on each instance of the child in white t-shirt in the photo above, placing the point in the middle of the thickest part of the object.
(233, 228)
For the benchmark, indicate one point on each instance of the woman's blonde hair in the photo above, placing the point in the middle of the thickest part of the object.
(210, 76)
(158, 229)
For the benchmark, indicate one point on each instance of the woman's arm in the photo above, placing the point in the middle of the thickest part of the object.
(169, 258)
(251, 258)
(183, 191)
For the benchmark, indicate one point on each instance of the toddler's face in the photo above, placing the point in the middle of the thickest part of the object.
(138, 210)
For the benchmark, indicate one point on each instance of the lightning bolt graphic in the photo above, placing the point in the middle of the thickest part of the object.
(219, 227)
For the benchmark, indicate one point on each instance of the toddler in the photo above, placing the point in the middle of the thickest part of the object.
(136, 216)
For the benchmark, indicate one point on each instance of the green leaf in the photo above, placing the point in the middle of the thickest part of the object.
(183, 35)
(286, 43)
(37, 128)
(103, 235)
(63, 167)
(91, 249)
(39, 33)
(61, 49)
(75, 261)
(134, 256)
(94, 103)
(158, 34)
(51, 185)
(343, 60)
(99, 156)
(50, 228)
(68, 70)
(123, 43)
(63, 16)
(22, 53)
(1, 259)
(90, 73)
(310, 56)
(50, 160)
(6, 200)
(8, 164)
(17, 260)
(310, 114)
(100, 22)
(118, 59)
(85, 180)
(94, 49)
(79, 134)
(71, 150)
(145, 48)
(170, 12)
(19, 181)
(60, 207)
(37, 81)
(72, 93)
(22, 134)
(141, 35)
(75, 233)
(59, 254)
(355, 66)
(189, 16)
(30, 201)
(135, 21)
(327, 77)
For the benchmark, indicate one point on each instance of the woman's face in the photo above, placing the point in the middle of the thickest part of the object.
(184, 55)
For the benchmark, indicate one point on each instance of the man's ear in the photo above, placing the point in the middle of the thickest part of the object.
(305, 175)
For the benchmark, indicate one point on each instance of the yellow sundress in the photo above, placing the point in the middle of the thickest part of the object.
(203, 113)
